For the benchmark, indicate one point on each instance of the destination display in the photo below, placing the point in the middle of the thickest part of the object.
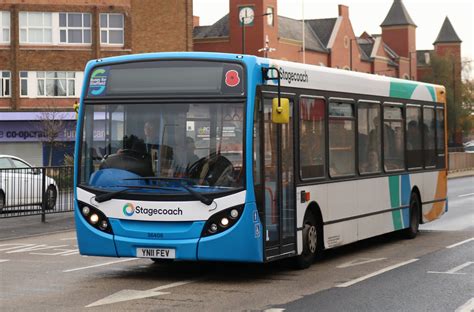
(165, 77)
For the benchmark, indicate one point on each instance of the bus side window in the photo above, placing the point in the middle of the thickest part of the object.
(312, 137)
(393, 135)
(414, 134)
(370, 137)
(429, 139)
(341, 137)
(440, 138)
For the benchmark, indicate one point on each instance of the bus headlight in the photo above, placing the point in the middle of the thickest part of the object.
(222, 220)
(95, 217)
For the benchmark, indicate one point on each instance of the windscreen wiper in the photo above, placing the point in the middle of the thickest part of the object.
(108, 196)
(203, 199)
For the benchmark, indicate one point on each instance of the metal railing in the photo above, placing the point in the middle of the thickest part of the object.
(36, 191)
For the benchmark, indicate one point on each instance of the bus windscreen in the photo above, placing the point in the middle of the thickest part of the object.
(167, 77)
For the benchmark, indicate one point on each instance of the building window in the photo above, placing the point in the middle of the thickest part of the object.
(60, 84)
(270, 16)
(75, 27)
(4, 27)
(23, 83)
(5, 84)
(111, 28)
(36, 27)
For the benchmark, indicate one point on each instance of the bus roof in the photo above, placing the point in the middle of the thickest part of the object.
(307, 76)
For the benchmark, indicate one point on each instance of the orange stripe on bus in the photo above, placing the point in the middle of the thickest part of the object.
(441, 192)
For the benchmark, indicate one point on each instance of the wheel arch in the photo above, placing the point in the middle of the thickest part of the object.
(314, 208)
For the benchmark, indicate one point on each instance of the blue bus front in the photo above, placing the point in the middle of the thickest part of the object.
(161, 163)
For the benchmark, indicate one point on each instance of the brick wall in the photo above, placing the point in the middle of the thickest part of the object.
(149, 26)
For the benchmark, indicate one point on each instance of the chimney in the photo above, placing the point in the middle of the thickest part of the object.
(195, 21)
(343, 10)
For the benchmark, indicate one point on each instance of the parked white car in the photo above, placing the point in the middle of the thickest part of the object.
(21, 185)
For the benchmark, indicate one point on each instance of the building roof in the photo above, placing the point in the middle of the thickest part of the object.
(397, 15)
(289, 28)
(216, 30)
(447, 34)
(323, 28)
(317, 32)
(366, 47)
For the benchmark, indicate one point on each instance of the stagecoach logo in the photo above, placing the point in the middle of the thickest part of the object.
(98, 82)
(289, 76)
(128, 209)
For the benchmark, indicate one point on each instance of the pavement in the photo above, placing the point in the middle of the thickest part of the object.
(27, 226)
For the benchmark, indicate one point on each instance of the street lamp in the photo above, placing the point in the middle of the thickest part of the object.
(267, 48)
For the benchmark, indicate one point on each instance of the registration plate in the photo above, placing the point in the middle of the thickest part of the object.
(162, 253)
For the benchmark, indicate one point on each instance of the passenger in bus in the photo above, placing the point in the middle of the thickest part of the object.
(372, 164)
(413, 140)
(190, 151)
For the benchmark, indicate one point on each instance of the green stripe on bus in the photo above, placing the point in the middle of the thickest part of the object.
(432, 92)
(402, 89)
(394, 185)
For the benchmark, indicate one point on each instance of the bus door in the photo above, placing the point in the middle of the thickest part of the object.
(277, 186)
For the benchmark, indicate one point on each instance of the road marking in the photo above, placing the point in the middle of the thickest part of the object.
(360, 279)
(68, 238)
(464, 195)
(454, 270)
(35, 248)
(358, 262)
(467, 307)
(460, 243)
(15, 246)
(130, 294)
(4, 260)
(99, 265)
(274, 310)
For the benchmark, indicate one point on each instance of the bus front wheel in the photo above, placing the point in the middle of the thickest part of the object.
(312, 241)
(412, 230)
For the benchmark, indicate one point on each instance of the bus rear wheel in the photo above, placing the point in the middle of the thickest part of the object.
(415, 207)
(312, 241)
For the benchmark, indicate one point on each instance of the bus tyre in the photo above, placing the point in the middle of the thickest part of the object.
(162, 261)
(415, 206)
(312, 241)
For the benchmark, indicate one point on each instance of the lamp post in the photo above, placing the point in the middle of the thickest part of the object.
(350, 52)
(242, 22)
(267, 48)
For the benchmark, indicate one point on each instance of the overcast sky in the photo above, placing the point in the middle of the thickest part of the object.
(367, 15)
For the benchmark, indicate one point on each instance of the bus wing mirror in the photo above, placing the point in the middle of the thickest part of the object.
(281, 110)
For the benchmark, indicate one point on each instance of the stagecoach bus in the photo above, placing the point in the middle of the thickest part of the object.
(212, 156)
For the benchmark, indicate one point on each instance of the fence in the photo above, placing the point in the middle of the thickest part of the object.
(461, 161)
(36, 191)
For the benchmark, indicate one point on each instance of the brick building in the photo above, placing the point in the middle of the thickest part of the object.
(328, 41)
(45, 45)
(447, 44)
